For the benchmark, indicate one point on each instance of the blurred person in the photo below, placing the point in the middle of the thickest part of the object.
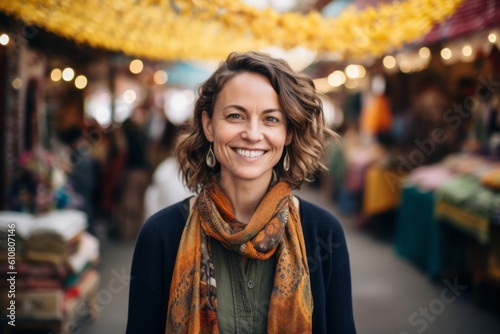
(166, 187)
(136, 177)
(112, 171)
(80, 168)
(246, 255)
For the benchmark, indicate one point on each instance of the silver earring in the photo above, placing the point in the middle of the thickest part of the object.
(286, 161)
(210, 159)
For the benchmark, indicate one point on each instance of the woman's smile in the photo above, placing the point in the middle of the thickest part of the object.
(249, 153)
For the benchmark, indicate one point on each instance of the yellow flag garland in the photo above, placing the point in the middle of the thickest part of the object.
(210, 29)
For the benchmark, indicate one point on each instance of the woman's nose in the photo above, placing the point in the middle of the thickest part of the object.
(253, 131)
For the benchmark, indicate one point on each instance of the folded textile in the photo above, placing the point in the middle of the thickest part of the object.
(88, 252)
(429, 177)
(37, 304)
(37, 269)
(467, 204)
(463, 163)
(34, 283)
(23, 223)
(51, 248)
(84, 288)
(63, 223)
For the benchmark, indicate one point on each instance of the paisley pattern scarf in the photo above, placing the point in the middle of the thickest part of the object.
(274, 227)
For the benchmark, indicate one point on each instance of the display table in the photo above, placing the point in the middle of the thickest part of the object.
(417, 235)
(382, 190)
(466, 204)
(447, 219)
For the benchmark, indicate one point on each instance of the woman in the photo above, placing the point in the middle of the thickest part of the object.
(245, 255)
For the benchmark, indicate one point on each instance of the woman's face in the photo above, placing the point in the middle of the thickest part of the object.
(247, 128)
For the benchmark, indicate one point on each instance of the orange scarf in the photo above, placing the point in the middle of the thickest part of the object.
(274, 227)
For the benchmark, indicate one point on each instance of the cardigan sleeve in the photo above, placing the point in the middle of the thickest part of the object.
(339, 291)
(152, 267)
(329, 268)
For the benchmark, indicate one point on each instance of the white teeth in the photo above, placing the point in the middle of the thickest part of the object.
(249, 154)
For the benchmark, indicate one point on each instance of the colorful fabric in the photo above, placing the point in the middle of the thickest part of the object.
(37, 269)
(491, 179)
(377, 116)
(468, 205)
(382, 190)
(275, 227)
(430, 177)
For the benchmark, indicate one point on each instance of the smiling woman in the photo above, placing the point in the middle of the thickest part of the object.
(235, 258)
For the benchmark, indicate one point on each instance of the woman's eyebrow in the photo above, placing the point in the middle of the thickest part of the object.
(241, 108)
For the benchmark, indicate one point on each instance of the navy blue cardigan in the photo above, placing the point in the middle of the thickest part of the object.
(156, 249)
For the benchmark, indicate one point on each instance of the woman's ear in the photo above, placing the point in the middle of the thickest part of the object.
(207, 126)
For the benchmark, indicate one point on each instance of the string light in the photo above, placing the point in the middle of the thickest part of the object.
(17, 83)
(446, 54)
(68, 74)
(389, 62)
(336, 79)
(4, 39)
(81, 82)
(56, 75)
(355, 71)
(492, 37)
(424, 52)
(160, 77)
(129, 96)
(136, 66)
(467, 50)
(405, 66)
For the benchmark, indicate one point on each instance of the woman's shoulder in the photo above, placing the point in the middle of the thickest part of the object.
(318, 219)
(168, 219)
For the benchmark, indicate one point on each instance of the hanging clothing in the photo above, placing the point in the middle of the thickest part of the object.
(376, 117)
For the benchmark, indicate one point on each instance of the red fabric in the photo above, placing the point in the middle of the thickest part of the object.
(471, 16)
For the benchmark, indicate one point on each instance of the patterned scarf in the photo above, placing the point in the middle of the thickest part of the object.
(274, 227)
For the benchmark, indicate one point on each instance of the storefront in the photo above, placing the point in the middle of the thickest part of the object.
(421, 144)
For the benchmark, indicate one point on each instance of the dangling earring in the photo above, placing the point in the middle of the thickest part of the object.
(210, 159)
(286, 161)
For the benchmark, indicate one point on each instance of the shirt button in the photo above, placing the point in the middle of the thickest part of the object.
(250, 284)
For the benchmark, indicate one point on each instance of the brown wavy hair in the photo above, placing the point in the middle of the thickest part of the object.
(301, 105)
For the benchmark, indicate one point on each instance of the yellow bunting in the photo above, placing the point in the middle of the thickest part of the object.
(210, 29)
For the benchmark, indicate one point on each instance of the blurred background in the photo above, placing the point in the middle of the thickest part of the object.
(93, 93)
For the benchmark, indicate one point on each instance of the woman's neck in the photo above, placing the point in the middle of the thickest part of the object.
(245, 196)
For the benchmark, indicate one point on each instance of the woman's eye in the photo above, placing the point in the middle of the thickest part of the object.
(234, 116)
(272, 119)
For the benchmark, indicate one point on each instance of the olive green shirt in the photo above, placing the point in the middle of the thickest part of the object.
(243, 294)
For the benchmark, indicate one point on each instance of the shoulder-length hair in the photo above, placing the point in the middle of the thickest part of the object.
(301, 105)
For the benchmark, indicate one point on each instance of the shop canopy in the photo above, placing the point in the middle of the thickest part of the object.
(471, 16)
(210, 29)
